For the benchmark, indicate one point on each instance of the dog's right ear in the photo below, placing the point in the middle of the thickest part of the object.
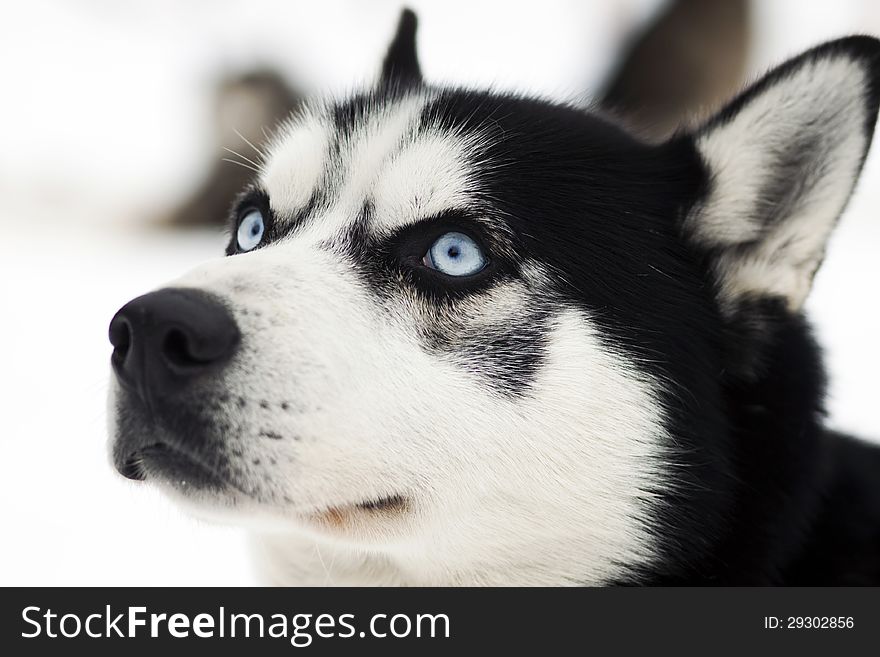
(782, 160)
(401, 65)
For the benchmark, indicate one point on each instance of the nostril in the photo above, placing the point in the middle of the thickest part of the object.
(120, 338)
(186, 350)
(177, 349)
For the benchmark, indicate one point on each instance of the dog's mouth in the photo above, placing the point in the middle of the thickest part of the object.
(343, 516)
(163, 461)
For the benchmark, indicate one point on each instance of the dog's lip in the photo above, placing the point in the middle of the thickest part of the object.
(339, 514)
(392, 503)
(162, 460)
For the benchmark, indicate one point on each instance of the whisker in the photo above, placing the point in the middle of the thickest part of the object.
(249, 143)
(237, 154)
(323, 565)
(241, 164)
(328, 579)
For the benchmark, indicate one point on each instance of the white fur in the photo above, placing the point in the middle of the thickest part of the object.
(822, 100)
(425, 178)
(295, 170)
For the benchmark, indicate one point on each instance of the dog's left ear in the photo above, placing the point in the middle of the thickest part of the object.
(400, 67)
(782, 161)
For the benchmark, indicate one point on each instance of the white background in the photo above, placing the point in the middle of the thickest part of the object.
(104, 125)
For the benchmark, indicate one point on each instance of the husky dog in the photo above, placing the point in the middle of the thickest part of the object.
(466, 338)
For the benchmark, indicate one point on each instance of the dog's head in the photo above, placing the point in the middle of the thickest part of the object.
(476, 331)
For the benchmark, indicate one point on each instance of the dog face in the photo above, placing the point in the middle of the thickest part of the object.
(481, 334)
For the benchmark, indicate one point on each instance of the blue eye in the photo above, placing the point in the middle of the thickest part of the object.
(250, 230)
(455, 254)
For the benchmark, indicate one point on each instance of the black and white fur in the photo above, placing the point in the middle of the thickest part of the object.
(628, 393)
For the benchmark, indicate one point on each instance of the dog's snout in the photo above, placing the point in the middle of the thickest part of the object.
(167, 338)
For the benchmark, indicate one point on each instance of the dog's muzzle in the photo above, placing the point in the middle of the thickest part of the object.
(163, 343)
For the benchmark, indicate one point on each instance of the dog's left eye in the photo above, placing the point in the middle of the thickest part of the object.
(455, 254)
(250, 230)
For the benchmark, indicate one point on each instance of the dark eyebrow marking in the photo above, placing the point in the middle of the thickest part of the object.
(251, 197)
(356, 241)
(316, 198)
(289, 223)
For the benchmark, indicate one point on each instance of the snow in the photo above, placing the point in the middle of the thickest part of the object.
(105, 128)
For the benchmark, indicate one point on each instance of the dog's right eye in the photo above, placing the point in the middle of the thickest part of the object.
(250, 230)
(455, 254)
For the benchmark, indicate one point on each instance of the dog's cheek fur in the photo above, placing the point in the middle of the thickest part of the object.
(499, 336)
(543, 486)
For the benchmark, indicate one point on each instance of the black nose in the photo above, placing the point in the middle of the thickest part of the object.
(165, 339)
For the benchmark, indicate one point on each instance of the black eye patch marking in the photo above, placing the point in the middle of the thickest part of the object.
(507, 354)
(399, 256)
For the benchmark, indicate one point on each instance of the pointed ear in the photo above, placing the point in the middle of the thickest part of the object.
(401, 65)
(782, 161)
